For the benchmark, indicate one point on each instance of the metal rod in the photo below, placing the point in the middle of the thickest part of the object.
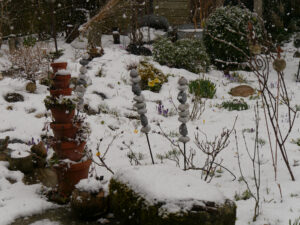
(298, 73)
(184, 152)
(150, 148)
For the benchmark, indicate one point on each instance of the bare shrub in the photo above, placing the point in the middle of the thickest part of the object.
(31, 61)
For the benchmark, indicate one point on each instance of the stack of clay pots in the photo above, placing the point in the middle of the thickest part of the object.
(71, 167)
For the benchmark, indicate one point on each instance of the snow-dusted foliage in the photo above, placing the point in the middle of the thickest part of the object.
(226, 35)
(189, 54)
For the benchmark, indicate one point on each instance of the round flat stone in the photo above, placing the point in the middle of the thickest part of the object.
(80, 94)
(144, 120)
(136, 89)
(84, 62)
(136, 79)
(182, 81)
(183, 119)
(182, 88)
(140, 105)
(182, 97)
(82, 70)
(86, 56)
(142, 111)
(80, 101)
(80, 88)
(183, 129)
(81, 82)
(134, 73)
(184, 139)
(183, 107)
(184, 113)
(146, 129)
(139, 98)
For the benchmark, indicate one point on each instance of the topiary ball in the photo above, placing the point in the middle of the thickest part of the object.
(228, 26)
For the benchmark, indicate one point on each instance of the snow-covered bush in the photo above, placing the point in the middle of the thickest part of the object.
(31, 61)
(226, 35)
(189, 54)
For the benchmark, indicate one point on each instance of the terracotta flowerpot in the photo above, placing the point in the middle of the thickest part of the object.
(62, 115)
(58, 92)
(69, 175)
(64, 130)
(69, 150)
(61, 82)
(59, 66)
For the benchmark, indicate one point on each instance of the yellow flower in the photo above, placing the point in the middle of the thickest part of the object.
(203, 121)
(156, 81)
(151, 83)
(135, 131)
(98, 154)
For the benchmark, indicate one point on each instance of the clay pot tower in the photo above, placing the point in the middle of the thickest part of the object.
(72, 164)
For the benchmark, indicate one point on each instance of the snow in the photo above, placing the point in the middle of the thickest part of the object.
(19, 150)
(92, 185)
(63, 72)
(178, 189)
(18, 199)
(45, 222)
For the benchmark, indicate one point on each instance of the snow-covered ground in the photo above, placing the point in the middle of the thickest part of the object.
(18, 200)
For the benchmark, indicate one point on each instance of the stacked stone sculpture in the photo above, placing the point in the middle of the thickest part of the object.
(140, 105)
(82, 82)
(184, 114)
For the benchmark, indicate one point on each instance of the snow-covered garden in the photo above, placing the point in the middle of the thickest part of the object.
(170, 137)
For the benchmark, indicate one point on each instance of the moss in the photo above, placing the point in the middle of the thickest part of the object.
(133, 209)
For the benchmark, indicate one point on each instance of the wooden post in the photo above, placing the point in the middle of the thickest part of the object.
(258, 7)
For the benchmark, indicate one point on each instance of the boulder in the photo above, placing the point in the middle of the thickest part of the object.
(296, 55)
(31, 87)
(45, 176)
(242, 91)
(14, 97)
(163, 195)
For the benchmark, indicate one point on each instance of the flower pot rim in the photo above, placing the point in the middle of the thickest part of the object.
(62, 143)
(74, 166)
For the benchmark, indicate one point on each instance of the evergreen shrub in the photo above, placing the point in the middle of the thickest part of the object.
(189, 54)
(225, 27)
